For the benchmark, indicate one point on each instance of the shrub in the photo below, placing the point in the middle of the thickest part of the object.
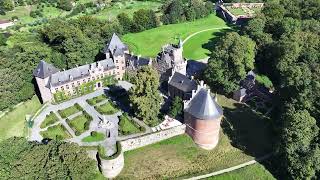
(87, 125)
(94, 133)
(77, 133)
(78, 107)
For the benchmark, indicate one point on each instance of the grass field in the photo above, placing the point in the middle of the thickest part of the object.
(50, 119)
(78, 124)
(179, 157)
(199, 46)
(13, 123)
(98, 137)
(56, 132)
(149, 43)
(252, 172)
(237, 11)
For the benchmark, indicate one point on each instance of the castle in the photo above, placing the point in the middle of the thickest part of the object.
(202, 114)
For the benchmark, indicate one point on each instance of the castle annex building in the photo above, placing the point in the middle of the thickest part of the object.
(54, 84)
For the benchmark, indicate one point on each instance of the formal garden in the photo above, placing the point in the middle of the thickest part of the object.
(80, 124)
(94, 137)
(64, 113)
(57, 132)
(128, 126)
(108, 108)
(49, 120)
(96, 100)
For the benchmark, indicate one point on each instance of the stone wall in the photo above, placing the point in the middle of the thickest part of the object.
(147, 139)
(111, 168)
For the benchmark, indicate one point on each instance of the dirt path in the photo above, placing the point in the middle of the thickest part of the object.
(231, 168)
(204, 31)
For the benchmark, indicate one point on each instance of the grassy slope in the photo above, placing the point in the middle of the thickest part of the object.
(180, 157)
(149, 43)
(252, 172)
(198, 46)
(13, 123)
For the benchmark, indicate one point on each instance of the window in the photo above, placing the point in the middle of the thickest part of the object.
(114, 72)
(122, 68)
(117, 67)
(116, 61)
(67, 86)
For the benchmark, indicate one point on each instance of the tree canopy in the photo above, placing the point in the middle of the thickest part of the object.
(56, 160)
(229, 62)
(145, 96)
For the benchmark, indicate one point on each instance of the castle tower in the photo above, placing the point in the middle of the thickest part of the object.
(116, 49)
(180, 64)
(42, 74)
(202, 116)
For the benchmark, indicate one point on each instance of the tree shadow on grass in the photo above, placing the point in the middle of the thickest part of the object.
(216, 36)
(248, 130)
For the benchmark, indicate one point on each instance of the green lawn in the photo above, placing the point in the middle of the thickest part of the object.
(252, 172)
(50, 119)
(96, 100)
(126, 125)
(179, 157)
(149, 43)
(107, 108)
(68, 111)
(13, 123)
(98, 137)
(78, 124)
(199, 46)
(56, 132)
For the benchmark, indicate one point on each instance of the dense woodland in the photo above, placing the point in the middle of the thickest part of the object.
(68, 43)
(56, 160)
(282, 43)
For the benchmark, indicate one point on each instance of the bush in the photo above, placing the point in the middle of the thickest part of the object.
(78, 107)
(94, 133)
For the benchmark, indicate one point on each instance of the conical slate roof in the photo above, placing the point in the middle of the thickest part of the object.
(44, 70)
(115, 43)
(203, 106)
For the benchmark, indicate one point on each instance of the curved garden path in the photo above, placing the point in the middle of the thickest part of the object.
(231, 168)
(190, 36)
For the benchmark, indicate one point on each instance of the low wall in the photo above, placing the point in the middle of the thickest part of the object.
(147, 139)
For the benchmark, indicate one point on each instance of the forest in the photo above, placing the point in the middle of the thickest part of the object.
(282, 43)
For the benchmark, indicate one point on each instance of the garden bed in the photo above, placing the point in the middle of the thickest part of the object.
(96, 100)
(80, 124)
(107, 108)
(70, 111)
(128, 126)
(49, 120)
(57, 132)
(94, 137)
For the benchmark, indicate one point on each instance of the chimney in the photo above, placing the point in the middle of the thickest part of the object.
(216, 97)
(201, 83)
(192, 77)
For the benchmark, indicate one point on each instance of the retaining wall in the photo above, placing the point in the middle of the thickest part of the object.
(111, 168)
(147, 139)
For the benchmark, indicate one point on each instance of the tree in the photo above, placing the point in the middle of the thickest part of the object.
(126, 23)
(56, 160)
(3, 39)
(7, 5)
(229, 63)
(176, 107)
(173, 12)
(145, 97)
(145, 19)
(65, 5)
(298, 138)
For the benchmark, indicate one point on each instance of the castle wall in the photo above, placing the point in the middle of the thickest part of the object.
(44, 91)
(205, 133)
(147, 139)
(111, 168)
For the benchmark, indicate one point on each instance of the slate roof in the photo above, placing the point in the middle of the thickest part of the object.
(115, 46)
(203, 106)
(78, 72)
(182, 82)
(44, 70)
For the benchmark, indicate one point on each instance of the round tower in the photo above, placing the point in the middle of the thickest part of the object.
(202, 116)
